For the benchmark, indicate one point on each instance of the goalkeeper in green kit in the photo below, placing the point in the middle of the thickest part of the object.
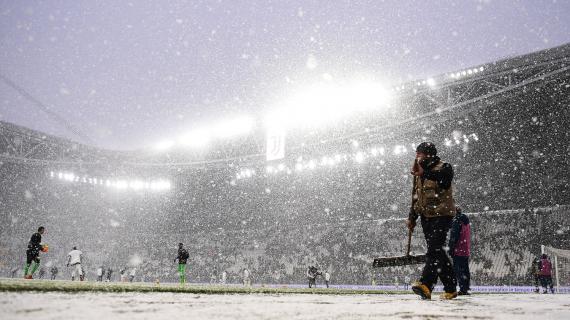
(182, 259)
(33, 253)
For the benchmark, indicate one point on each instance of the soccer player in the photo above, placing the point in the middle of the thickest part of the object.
(74, 260)
(182, 259)
(33, 253)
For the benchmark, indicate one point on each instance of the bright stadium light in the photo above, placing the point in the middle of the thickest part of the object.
(324, 103)
(312, 164)
(136, 184)
(234, 127)
(359, 157)
(431, 82)
(164, 145)
(196, 139)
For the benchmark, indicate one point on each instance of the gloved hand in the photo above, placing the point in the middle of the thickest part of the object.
(410, 224)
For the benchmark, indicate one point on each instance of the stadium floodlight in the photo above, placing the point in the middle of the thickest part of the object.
(327, 102)
(159, 185)
(196, 139)
(400, 149)
(431, 82)
(234, 127)
(136, 184)
(68, 176)
(164, 145)
(312, 164)
(481, 69)
(359, 157)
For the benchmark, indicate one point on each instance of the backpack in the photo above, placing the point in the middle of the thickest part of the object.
(184, 254)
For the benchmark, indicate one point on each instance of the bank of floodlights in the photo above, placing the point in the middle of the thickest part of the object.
(377, 155)
(118, 184)
(200, 137)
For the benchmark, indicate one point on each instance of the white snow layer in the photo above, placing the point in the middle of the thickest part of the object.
(290, 306)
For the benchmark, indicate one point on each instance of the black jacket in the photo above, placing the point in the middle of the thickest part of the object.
(34, 245)
(182, 256)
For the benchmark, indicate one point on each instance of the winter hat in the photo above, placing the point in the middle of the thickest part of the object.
(427, 148)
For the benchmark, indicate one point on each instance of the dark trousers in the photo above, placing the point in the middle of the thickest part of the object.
(312, 282)
(461, 268)
(438, 264)
(32, 255)
(546, 282)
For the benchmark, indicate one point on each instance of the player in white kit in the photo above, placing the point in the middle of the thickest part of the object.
(74, 260)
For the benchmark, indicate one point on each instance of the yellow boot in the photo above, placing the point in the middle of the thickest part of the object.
(421, 290)
(448, 295)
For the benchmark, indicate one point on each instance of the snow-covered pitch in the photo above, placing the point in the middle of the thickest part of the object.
(273, 305)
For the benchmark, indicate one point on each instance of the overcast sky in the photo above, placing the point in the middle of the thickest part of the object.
(129, 74)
